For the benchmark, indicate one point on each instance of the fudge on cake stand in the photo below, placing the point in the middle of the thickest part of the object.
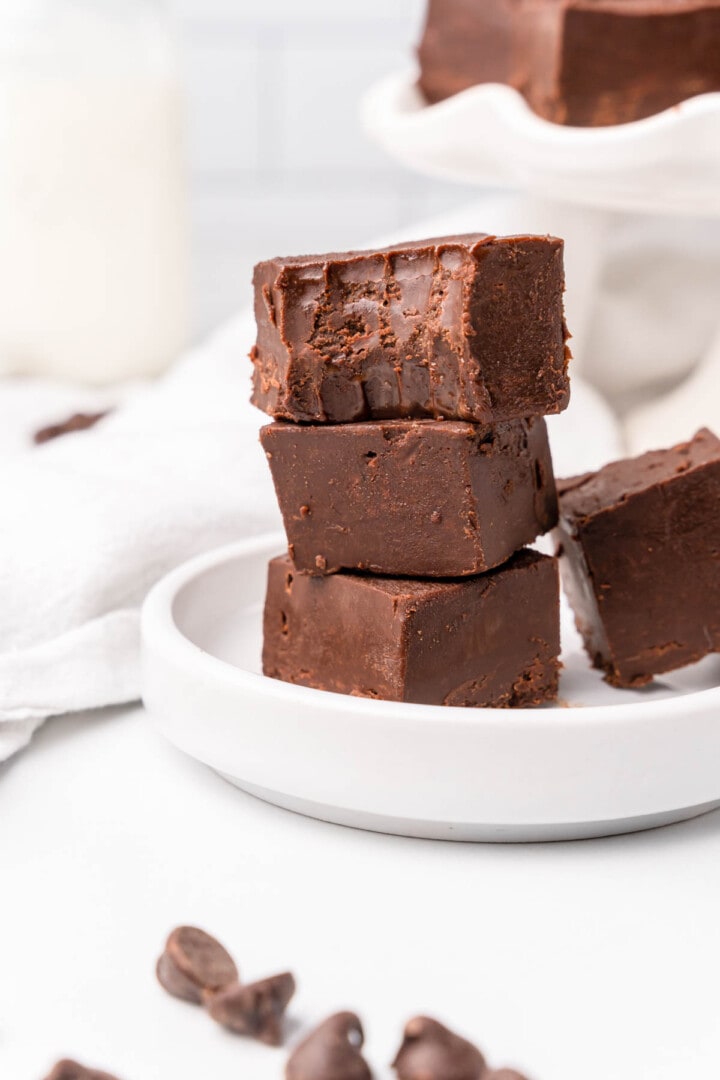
(606, 105)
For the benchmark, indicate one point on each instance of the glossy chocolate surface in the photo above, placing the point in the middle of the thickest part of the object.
(487, 640)
(640, 549)
(423, 498)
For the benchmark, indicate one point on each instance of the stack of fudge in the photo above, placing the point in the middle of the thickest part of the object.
(409, 453)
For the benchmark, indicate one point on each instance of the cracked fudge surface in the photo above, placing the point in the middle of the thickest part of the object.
(461, 327)
(640, 559)
(490, 640)
(578, 62)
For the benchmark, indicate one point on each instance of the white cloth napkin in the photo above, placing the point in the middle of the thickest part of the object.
(91, 520)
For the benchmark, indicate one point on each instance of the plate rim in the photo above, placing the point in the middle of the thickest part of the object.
(160, 631)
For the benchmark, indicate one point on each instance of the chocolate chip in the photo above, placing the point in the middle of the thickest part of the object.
(192, 962)
(77, 422)
(331, 1052)
(256, 1009)
(431, 1051)
(503, 1074)
(72, 1070)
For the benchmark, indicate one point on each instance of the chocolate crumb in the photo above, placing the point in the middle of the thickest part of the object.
(77, 422)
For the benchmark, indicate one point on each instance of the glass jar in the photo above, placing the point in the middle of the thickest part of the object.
(93, 255)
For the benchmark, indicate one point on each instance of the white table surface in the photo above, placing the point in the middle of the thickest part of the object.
(586, 961)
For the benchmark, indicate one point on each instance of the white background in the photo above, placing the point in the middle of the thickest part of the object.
(278, 161)
(584, 961)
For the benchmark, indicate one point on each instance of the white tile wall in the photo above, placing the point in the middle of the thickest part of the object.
(305, 12)
(322, 84)
(224, 106)
(232, 232)
(278, 161)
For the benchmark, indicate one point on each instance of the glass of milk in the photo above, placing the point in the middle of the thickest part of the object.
(93, 251)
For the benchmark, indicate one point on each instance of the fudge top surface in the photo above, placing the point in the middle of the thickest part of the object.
(410, 589)
(612, 7)
(394, 430)
(591, 493)
(637, 7)
(470, 241)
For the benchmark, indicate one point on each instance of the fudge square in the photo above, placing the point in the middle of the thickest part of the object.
(487, 640)
(462, 327)
(580, 62)
(640, 558)
(418, 498)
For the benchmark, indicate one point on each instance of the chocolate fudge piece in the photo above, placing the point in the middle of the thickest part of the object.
(640, 559)
(579, 62)
(462, 327)
(430, 1051)
(425, 498)
(487, 640)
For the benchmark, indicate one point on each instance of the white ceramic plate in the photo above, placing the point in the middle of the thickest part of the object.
(605, 761)
(668, 163)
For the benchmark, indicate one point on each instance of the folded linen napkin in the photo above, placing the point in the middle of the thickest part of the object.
(93, 519)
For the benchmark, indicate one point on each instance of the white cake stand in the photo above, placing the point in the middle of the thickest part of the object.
(488, 135)
(639, 208)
